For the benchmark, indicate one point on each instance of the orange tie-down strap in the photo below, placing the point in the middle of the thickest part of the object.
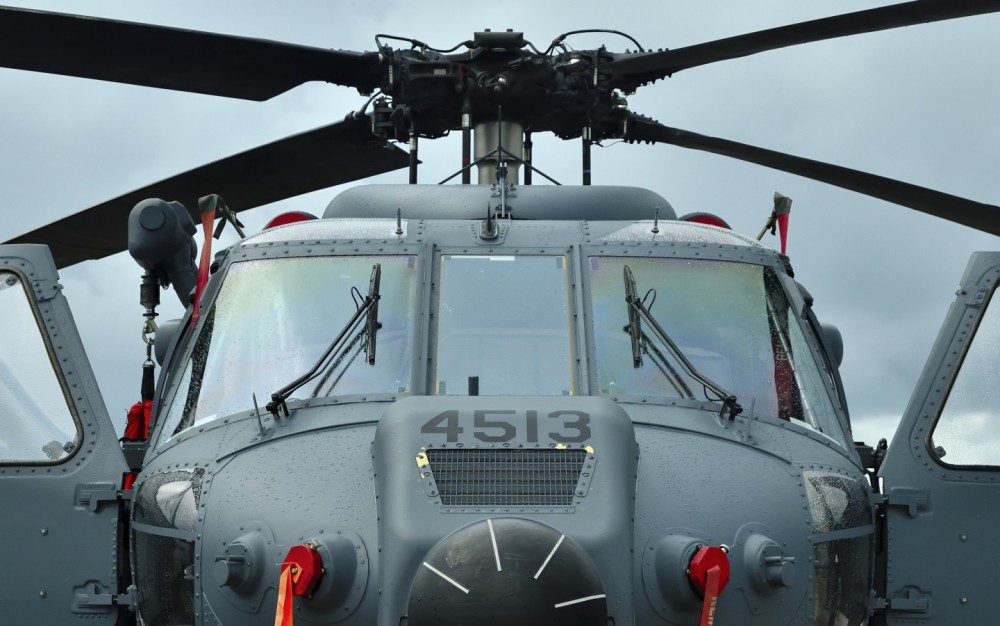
(283, 614)
(301, 572)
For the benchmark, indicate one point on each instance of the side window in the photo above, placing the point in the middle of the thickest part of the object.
(968, 430)
(36, 425)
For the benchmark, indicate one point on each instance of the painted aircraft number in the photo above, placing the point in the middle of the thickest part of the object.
(499, 426)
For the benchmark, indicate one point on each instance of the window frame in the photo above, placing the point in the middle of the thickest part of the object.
(34, 307)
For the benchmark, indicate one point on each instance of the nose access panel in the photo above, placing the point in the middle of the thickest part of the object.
(510, 470)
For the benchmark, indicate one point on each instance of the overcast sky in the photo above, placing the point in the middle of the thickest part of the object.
(918, 104)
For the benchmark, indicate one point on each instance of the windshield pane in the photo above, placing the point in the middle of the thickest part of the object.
(272, 321)
(506, 320)
(732, 322)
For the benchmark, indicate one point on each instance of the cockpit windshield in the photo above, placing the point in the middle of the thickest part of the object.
(504, 321)
(273, 319)
(731, 320)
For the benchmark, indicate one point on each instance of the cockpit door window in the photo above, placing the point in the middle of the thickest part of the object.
(966, 432)
(37, 423)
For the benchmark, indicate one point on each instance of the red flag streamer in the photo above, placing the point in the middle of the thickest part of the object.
(782, 208)
(283, 614)
(783, 229)
(207, 220)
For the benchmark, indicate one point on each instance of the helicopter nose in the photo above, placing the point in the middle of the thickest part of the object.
(505, 509)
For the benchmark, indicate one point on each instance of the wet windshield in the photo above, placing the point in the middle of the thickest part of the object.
(731, 320)
(504, 320)
(272, 321)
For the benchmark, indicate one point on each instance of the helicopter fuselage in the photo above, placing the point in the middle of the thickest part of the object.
(498, 455)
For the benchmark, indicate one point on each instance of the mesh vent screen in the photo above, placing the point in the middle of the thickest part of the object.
(544, 477)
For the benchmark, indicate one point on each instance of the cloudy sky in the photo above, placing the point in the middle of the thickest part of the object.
(917, 104)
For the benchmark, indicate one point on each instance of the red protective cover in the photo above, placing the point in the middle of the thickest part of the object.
(137, 421)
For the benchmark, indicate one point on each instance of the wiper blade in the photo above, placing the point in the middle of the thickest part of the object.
(371, 323)
(368, 309)
(634, 328)
(637, 311)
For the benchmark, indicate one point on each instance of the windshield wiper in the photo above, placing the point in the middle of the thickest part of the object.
(637, 311)
(368, 308)
(371, 323)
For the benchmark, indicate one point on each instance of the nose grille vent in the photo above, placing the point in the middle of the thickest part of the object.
(508, 478)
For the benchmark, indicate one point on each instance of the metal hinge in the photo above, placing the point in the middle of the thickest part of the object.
(91, 495)
(92, 598)
(127, 599)
(877, 500)
(876, 603)
(911, 600)
(135, 452)
(916, 501)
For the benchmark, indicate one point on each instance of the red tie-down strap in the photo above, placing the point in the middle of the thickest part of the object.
(709, 573)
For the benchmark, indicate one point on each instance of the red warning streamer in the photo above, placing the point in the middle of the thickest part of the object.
(783, 230)
(207, 220)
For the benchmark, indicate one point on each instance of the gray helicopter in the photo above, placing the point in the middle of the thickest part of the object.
(491, 403)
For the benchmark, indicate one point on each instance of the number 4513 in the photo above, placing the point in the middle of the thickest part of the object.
(502, 426)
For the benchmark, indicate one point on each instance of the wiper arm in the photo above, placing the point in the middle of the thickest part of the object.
(661, 363)
(637, 311)
(368, 309)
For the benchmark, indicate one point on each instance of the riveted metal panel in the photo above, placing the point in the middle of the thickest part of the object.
(61, 523)
(941, 518)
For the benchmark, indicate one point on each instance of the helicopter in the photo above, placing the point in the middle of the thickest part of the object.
(772, 581)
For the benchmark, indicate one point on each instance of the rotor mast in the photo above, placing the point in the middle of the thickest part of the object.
(495, 141)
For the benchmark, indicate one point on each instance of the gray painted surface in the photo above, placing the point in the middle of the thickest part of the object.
(941, 518)
(60, 520)
(218, 506)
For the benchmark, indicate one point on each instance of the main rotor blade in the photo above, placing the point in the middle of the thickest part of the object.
(984, 217)
(173, 58)
(644, 67)
(316, 159)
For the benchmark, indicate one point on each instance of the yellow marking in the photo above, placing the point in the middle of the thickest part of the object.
(422, 461)
(561, 446)
(589, 449)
